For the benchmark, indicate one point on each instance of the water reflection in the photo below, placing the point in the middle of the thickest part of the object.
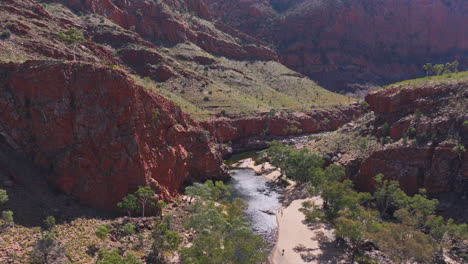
(262, 198)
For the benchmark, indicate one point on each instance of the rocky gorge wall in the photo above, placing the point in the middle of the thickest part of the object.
(341, 42)
(428, 162)
(253, 132)
(176, 21)
(96, 135)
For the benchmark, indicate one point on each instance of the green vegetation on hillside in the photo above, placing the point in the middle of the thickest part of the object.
(446, 78)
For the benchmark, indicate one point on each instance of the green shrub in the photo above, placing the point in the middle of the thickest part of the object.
(102, 232)
(364, 105)
(156, 115)
(459, 150)
(5, 34)
(49, 223)
(3, 197)
(411, 132)
(7, 217)
(71, 36)
(129, 228)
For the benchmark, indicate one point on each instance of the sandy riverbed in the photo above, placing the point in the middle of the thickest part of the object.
(301, 243)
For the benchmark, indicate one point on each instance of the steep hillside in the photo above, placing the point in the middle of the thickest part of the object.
(96, 135)
(411, 135)
(176, 49)
(341, 43)
(83, 84)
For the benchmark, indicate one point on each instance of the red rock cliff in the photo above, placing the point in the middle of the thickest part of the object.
(177, 21)
(340, 42)
(97, 136)
(280, 124)
(428, 162)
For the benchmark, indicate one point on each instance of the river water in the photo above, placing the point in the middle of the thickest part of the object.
(261, 196)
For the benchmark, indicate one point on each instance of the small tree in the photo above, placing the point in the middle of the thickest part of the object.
(388, 194)
(447, 68)
(7, 217)
(71, 37)
(47, 250)
(3, 197)
(129, 204)
(454, 66)
(428, 68)
(459, 150)
(334, 173)
(355, 226)
(439, 69)
(145, 196)
(49, 223)
(403, 244)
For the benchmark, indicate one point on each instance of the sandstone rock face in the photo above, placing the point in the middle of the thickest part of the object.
(318, 120)
(437, 169)
(341, 42)
(97, 136)
(429, 163)
(177, 21)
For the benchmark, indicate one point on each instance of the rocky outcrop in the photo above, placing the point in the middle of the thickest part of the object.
(435, 168)
(436, 111)
(96, 135)
(340, 42)
(275, 125)
(175, 22)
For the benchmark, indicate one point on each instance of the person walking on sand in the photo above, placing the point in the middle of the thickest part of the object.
(282, 254)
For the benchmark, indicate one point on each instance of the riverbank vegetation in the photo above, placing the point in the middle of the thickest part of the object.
(404, 228)
(202, 227)
(223, 233)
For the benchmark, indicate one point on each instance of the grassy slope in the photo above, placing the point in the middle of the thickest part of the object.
(237, 87)
(433, 80)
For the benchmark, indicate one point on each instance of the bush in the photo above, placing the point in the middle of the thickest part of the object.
(3, 197)
(102, 232)
(5, 34)
(7, 217)
(364, 105)
(71, 36)
(465, 124)
(156, 115)
(459, 150)
(206, 98)
(129, 228)
(49, 223)
(129, 204)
